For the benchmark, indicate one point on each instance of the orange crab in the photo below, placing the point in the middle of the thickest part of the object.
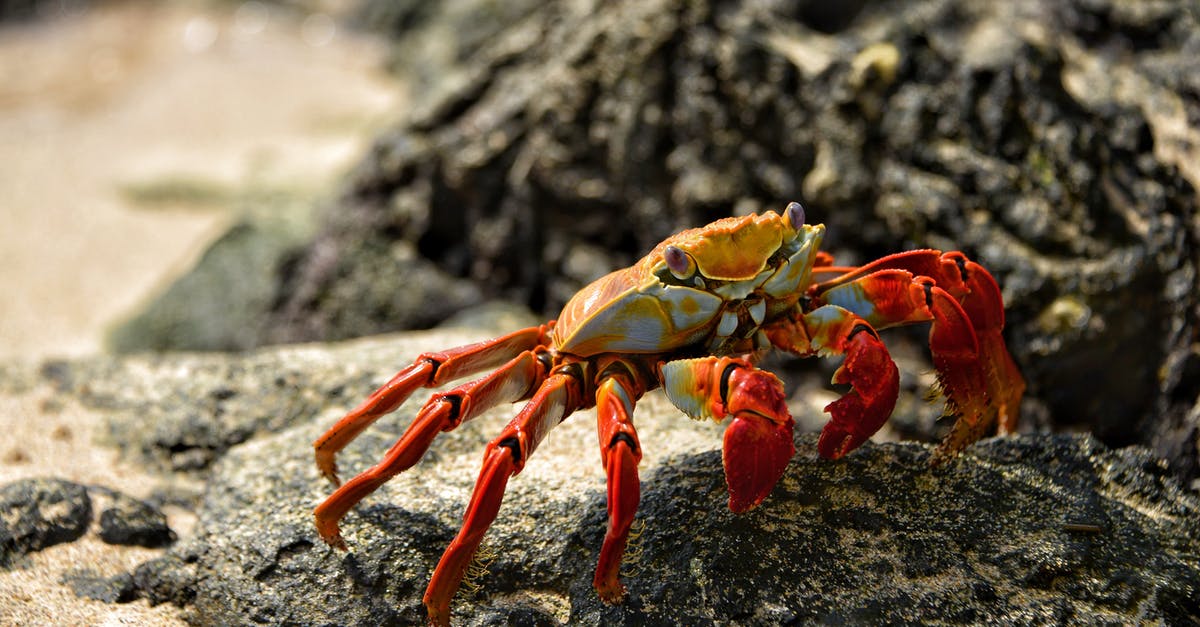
(694, 316)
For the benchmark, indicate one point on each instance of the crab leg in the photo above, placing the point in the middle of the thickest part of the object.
(443, 412)
(758, 441)
(976, 290)
(428, 370)
(556, 398)
(867, 368)
(985, 307)
(894, 297)
(620, 452)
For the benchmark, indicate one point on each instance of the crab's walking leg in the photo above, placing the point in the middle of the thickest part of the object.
(621, 452)
(557, 397)
(867, 368)
(985, 307)
(976, 290)
(429, 370)
(893, 297)
(758, 441)
(443, 412)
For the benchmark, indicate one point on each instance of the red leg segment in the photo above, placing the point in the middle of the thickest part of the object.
(985, 307)
(443, 412)
(867, 368)
(976, 290)
(429, 370)
(893, 297)
(620, 452)
(555, 399)
(758, 441)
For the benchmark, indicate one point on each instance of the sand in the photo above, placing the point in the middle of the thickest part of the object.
(123, 157)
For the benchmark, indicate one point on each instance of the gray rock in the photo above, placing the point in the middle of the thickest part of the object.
(129, 521)
(1025, 530)
(37, 513)
(1031, 529)
(243, 266)
(87, 584)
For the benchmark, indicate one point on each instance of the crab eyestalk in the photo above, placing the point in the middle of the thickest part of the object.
(681, 264)
(794, 215)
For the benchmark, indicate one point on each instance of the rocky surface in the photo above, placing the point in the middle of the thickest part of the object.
(1056, 142)
(877, 539)
(38, 513)
(1036, 528)
(35, 514)
(129, 521)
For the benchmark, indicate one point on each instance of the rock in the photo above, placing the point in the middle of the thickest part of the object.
(37, 513)
(1028, 529)
(87, 584)
(129, 521)
(182, 412)
(1020, 530)
(15, 10)
(243, 266)
(42, 512)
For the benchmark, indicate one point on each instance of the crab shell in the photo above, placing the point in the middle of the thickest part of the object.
(742, 271)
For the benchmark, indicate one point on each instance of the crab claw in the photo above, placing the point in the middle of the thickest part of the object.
(875, 383)
(758, 441)
(757, 451)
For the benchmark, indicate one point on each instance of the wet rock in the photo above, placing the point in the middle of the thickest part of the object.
(37, 513)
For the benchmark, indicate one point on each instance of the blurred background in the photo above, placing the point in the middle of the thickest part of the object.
(218, 176)
(133, 134)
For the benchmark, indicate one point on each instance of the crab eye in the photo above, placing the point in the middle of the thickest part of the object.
(794, 215)
(681, 264)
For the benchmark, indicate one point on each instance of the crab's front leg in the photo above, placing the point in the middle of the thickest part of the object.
(758, 441)
(985, 308)
(868, 369)
(976, 291)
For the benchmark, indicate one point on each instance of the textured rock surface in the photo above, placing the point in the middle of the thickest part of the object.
(38, 513)
(130, 521)
(182, 412)
(1038, 528)
(1054, 141)
(878, 538)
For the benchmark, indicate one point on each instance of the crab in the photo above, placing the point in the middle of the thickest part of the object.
(694, 317)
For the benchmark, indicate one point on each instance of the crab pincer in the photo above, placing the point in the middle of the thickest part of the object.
(758, 441)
